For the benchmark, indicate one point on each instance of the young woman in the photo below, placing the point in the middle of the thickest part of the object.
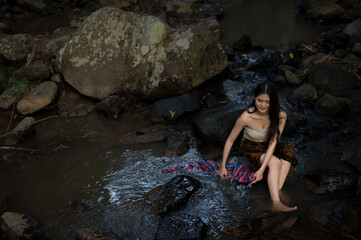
(263, 123)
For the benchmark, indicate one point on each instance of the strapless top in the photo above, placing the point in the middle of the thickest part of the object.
(255, 134)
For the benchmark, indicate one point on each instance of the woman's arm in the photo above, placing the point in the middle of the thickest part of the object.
(238, 126)
(271, 147)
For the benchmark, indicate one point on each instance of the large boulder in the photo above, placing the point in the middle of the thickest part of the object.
(181, 227)
(15, 48)
(353, 30)
(40, 97)
(115, 51)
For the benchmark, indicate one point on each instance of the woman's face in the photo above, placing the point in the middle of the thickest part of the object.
(262, 103)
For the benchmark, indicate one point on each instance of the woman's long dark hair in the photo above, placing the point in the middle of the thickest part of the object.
(270, 89)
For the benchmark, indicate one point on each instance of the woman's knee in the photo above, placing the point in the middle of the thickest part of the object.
(275, 162)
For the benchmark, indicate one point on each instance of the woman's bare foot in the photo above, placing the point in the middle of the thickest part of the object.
(280, 207)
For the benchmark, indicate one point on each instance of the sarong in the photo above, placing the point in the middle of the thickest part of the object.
(235, 170)
(253, 151)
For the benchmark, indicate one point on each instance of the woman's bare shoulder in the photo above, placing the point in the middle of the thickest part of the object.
(283, 114)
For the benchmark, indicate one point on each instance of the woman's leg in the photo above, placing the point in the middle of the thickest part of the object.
(273, 180)
(285, 168)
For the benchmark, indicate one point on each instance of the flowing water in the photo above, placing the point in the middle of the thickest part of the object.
(94, 183)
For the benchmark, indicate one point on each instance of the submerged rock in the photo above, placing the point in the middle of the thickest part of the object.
(122, 52)
(325, 182)
(5, 199)
(172, 195)
(20, 226)
(177, 145)
(181, 227)
(339, 217)
(89, 234)
(266, 225)
(156, 133)
(24, 129)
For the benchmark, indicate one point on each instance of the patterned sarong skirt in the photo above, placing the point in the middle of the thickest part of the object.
(253, 151)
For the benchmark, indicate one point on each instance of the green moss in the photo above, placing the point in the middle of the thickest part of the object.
(22, 86)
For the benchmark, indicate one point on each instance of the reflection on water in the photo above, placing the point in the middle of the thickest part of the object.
(271, 24)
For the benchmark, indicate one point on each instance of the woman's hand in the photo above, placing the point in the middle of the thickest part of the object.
(223, 173)
(258, 176)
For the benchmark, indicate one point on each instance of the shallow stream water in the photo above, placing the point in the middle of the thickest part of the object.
(94, 183)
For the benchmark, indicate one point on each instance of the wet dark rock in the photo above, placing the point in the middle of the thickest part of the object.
(20, 226)
(339, 217)
(175, 107)
(285, 68)
(356, 49)
(39, 97)
(331, 78)
(266, 225)
(332, 181)
(156, 133)
(341, 53)
(4, 74)
(72, 104)
(172, 195)
(33, 5)
(272, 59)
(308, 61)
(177, 145)
(15, 48)
(8, 97)
(305, 95)
(352, 59)
(244, 43)
(320, 11)
(215, 124)
(352, 160)
(336, 37)
(79, 205)
(328, 104)
(292, 78)
(111, 106)
(181, 227)
(353, 30)
(23, 130)
(4, 28)
(295, 121)
(33, 72)
(211, 101)
(355, 99)
(89, 234)
(318, 126)
(5, 199)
